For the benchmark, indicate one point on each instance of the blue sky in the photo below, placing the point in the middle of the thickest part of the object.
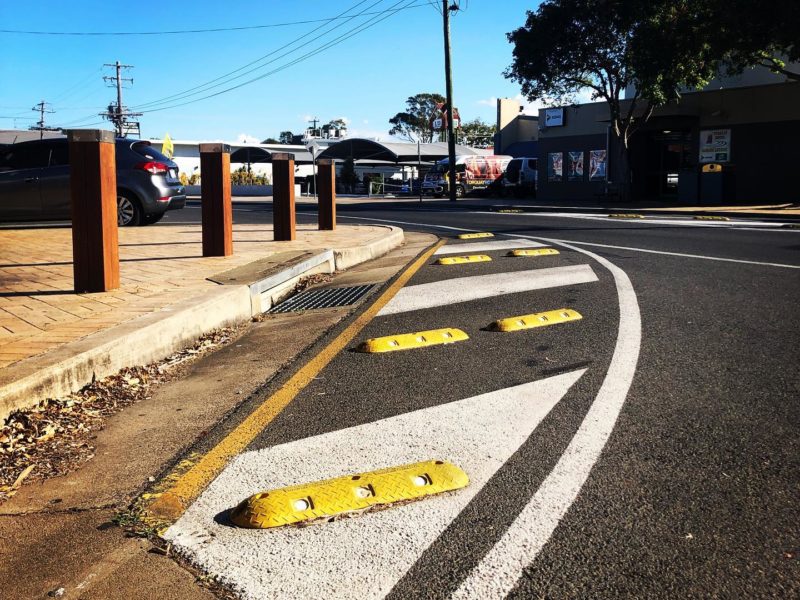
(364, 79)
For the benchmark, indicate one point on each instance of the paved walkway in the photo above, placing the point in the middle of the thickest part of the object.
(160, 266)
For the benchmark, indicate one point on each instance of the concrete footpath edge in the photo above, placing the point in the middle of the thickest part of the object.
(154, 336)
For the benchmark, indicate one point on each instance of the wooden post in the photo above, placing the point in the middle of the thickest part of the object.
(93, 193)
(283, 196)
(326, 184)
(215, 197)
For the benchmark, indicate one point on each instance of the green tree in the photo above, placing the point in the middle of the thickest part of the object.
(477, 133)
(270, 140)
(415, 122)
(348, 174)
(286, 137)
(737, 34)
(607, 46)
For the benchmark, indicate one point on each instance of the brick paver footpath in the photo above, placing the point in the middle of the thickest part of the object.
(160, 266)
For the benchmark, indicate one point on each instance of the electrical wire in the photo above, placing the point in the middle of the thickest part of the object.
(177, 31)
(356, 30)
(244, 70)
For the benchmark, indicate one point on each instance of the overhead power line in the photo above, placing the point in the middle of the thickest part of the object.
(346, 36)
(245, 70)
(180, 31)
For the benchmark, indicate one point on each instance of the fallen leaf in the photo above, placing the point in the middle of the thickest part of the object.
(21, 477)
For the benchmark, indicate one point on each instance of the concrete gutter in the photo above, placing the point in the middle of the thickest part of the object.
(154, 336)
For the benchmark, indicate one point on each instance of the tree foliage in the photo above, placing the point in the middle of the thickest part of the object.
(608, 47)
(415, 122)
(744, 33)
(286, 137)
(477, 133)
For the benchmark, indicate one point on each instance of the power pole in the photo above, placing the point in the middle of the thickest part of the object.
(451, 138)
(313, 121)
(42, 109)
(118, 114)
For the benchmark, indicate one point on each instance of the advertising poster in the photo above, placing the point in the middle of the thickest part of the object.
(575, 169)
(597, 165)
(555, 166)
(715, 146)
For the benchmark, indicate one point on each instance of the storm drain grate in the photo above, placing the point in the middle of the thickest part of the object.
(325, 298)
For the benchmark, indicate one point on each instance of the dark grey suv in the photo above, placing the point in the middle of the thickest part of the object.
(34, 182)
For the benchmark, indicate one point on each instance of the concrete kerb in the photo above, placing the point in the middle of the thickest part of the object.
(155, 336)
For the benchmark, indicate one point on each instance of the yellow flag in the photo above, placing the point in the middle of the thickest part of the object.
(167, 149)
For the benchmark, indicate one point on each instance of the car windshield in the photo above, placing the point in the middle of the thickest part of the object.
(147, 151)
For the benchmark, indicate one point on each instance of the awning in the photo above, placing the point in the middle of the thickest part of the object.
(257, 154)
(393, 152)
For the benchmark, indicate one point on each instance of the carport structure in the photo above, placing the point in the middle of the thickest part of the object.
(248, 155)
(393, 152)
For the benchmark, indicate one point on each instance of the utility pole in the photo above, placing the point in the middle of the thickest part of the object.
(313, 121)
(42, 109)
(118, 114)
(451, 138)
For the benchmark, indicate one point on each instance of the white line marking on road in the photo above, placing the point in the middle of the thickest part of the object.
(475, 247)
(649, 220)
(365, 556)
(732, 260)
(464, 289)
(498, 572)
(679, 254)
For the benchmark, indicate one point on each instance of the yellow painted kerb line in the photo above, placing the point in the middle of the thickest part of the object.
(173, 501)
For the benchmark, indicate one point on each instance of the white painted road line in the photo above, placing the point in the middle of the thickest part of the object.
(464, 289)
(498, 572)
(364, 556)
(679, 254)
(564, 242)
(648, 220)
(475, 247)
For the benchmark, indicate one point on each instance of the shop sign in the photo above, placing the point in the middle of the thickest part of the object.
(715, 146)
(554, 117)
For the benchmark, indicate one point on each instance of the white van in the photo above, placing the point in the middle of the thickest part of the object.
(522, 174)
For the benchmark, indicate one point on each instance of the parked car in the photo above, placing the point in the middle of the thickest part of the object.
(34, 182)
(522, 175)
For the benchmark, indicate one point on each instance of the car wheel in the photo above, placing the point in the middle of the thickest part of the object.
(151, 219)
(128, 211)
(460, 191)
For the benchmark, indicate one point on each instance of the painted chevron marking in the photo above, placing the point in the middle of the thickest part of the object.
(361, 557)
(478, 247)
(464, 289)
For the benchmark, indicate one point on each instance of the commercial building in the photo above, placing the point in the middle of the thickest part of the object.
(735, 141)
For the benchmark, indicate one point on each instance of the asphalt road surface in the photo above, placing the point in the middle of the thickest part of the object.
(649, 449)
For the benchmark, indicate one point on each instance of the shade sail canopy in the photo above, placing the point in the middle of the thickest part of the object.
(257, 154)
(393, 152)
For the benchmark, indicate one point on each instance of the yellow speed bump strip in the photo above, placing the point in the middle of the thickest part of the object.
(710, 218)
(534, 252)
(458, 260)
(473, 236)
(408, 341)
(181, 488)
(542, 319)
(352, 493)
(625, 216)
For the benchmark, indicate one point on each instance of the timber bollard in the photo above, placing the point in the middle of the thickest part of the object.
(326, 194)
(93, 196)
(283, 214)
(215, 196)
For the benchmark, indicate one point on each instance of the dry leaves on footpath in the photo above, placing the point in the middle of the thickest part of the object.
(56, 436)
